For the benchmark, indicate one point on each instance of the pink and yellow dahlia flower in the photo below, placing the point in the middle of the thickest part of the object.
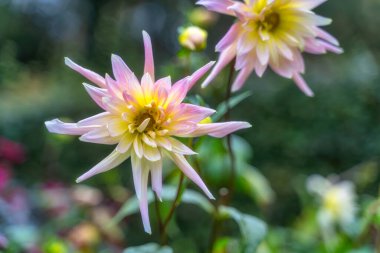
(271, 33)
(143, 118)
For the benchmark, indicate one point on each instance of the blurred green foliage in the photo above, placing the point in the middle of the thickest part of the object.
(292, 137)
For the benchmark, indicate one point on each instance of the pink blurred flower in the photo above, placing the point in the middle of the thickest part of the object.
(11, 151)
(142, 118)
(271, 33)
(5, 176)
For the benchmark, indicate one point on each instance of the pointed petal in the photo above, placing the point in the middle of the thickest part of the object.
(177, 93)
(96, 94)
(262, 52)
(110, 162)
(225, 57)
(147, 87)
(228, 39)
(186, 168)
(59, 127)
(241, 78)
(149, 62)
(218, 130)
(220, 6)
(148, 141)
(117, 127)
(125, 143)
(100, 119)
(105, 140)
(137, 145)
(193, 113)
(326, 36)
(143, 200)
(164, 82)
(199, 74)
(120, 70)
(302, 85)
(143, 125)
(136, 172)
(151, 154)
(113, 87)
(90, 75)
(156, 173)
(180, 148)
(164, 142)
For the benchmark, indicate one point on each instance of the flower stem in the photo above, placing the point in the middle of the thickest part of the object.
(158, 214)
(231, 182)
(172, 209)
(225, 196)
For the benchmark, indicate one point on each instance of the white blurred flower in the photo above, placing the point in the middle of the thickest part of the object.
(338, 201)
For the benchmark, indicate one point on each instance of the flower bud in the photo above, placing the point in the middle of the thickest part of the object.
(193, 38)
(202, 17)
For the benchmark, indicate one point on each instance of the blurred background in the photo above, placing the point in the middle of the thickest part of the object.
(293, 136)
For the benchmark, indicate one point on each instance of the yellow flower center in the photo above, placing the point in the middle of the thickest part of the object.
(332, 202)
(269, 21)
(149, 118)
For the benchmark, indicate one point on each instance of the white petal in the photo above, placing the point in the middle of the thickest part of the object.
(110, 162)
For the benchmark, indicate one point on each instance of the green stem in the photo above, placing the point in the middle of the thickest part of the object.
(231, 182)
(172, 209)
(158, 214)
(225, 198)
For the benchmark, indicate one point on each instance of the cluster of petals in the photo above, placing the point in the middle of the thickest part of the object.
(143, 118)
(338, 201)
(271, 33)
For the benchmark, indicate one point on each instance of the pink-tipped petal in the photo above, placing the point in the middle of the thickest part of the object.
(218, 130)
(164, 142)
(143, 200)
(125, 143)
(186, 168)
(97, 135)
(90, 75)
(228, 39)
(311, 4)
(302, 85)
(100, 119)
(156, 173)
(177, 93)
(165, 82)
(149, 62)
(105, 140)
(138, 148)
(96, 94)
(59, 127)
(147, 87)
(180, 148)
(199, 74)
(110, 162)
(220, 6)
(120, 70)
(326, 36)
(225, 57)
(241, 78)
(151, 154)
(136, 172)
(193, 113)
(113, 87)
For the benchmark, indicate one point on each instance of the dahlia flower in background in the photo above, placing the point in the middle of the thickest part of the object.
(142, 118)
(271, 33)
(338, 201)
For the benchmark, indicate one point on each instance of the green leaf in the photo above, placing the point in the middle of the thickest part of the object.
(252, 182)
(131, 206)
(234, 101)
(149, 248)
(252, 229)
